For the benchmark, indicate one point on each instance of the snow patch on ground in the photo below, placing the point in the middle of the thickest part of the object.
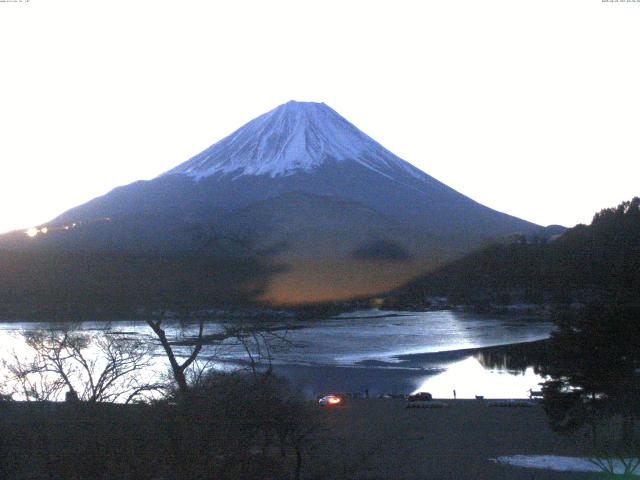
(558, 463)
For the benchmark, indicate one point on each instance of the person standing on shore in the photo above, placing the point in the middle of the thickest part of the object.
(454, 393)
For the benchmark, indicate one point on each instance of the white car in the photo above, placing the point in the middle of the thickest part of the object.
(330, 401)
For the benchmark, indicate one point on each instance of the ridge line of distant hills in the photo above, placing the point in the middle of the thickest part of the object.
(596, 262)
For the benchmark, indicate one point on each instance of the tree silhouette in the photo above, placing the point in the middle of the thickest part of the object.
(593, 363)
(600, 262)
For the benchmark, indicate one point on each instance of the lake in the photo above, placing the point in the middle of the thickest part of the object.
(365, 351)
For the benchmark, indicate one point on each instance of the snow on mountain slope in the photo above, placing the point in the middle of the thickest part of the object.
(294, 137)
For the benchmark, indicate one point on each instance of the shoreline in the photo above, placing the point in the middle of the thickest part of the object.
(380, 378)
(532, 346)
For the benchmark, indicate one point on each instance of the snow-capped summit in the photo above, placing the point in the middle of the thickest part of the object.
(294, 137)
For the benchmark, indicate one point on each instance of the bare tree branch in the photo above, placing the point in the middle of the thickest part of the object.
(96, 367)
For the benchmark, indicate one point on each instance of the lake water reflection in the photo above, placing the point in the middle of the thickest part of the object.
(469, 378)
(369, 350)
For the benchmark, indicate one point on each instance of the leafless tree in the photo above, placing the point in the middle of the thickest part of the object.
(94, 367)
(183, 365)
(178, 368)
(259, 342)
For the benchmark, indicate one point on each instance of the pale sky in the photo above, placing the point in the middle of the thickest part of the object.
(529, 107)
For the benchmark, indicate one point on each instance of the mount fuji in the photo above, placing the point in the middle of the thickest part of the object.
(341, 214)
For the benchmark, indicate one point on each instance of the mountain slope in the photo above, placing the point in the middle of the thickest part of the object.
(300, 147)
(334, 209)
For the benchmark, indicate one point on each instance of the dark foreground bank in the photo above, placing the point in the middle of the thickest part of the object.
(363, 439)
(382, 439)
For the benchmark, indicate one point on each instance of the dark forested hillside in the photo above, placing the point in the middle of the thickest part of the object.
(44, 284)
(600, 261)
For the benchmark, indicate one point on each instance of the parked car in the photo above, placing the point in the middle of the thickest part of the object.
(330, 401)
(420, 397)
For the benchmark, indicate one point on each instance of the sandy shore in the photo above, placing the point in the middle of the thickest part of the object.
(382, 439)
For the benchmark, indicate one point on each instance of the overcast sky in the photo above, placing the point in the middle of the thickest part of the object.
(529, 107)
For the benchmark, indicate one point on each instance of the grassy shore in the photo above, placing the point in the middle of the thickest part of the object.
(382, 439)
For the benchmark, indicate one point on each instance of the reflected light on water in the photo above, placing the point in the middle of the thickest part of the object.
(323, 351)
(469, 378)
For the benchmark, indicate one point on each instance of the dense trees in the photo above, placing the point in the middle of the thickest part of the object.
(593, 366)
(232, 426)
(239, 426)
(596, 262)
(117, 284)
